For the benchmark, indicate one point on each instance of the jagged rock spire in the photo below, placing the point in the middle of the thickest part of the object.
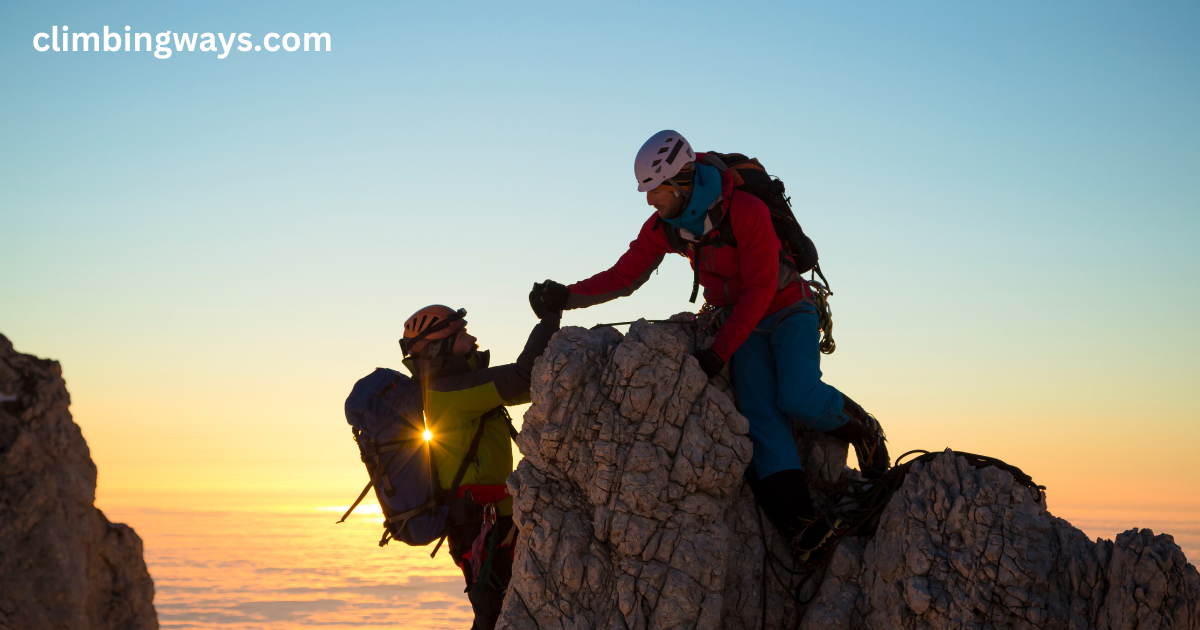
(63, 565)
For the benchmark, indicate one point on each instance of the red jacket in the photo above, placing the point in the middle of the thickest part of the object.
(745, 277)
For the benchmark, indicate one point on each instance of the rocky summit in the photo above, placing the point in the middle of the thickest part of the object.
(634, 514)
(63, 565)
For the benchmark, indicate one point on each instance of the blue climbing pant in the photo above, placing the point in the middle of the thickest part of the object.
(777, 375)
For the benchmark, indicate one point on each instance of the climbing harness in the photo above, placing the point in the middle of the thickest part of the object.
(860, 504)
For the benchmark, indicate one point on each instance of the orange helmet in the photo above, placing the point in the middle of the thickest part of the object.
(430, 323)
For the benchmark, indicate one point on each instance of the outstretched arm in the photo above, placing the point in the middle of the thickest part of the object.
(481, 390)
(534, 347)
(632, 270)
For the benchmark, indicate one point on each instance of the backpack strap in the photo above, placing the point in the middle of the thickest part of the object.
(401, 519)
(386, 388)
(472, 453)
(673, 239)
(724, 236)
(381, 471)
(362, 494)
(376, 450)
(512, 431)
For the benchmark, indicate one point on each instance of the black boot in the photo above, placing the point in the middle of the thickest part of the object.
(863, 431)
(785, 499)
(815, 542)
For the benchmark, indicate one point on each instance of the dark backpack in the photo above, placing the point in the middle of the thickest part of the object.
(384, 411)
(801, 253)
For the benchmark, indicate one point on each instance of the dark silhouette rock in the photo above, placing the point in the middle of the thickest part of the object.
(62, 563)
(634, 514)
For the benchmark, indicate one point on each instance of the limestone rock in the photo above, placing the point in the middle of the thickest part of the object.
(62, 563)
(634, 514)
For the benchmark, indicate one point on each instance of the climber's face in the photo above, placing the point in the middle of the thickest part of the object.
(464, 343)
(665, 200)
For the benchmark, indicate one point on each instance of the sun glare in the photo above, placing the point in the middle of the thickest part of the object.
(428, 435)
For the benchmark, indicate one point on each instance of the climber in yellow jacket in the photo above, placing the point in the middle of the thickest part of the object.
(460, 392)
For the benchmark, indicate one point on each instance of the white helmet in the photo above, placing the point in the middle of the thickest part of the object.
(661, 158)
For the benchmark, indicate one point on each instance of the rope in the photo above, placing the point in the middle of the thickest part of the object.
(650, 321)
(825, 315)
(861, 503)
(658, 321)
(805, 572)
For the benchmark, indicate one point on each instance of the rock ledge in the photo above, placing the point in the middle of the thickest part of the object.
(634, 514)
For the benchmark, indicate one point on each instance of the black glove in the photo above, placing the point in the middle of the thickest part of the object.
(548, 298)
(710, 362)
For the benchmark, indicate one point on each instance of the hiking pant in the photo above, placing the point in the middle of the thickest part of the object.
(777, 376)
(488, 598)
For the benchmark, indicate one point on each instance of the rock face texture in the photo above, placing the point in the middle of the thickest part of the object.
(634, 514)
(631, 464)
(959, 547)
(62, 564)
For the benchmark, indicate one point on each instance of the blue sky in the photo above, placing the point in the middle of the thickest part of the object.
(1004, 197)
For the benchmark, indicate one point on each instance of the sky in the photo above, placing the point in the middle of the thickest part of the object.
(1004, 198)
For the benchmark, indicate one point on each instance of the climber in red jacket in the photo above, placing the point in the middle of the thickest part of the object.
(770, 335)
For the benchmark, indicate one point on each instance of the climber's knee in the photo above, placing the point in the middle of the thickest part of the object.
(819, 405)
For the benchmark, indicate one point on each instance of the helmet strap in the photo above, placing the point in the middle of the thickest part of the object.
(680, 192)
(447, 348)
